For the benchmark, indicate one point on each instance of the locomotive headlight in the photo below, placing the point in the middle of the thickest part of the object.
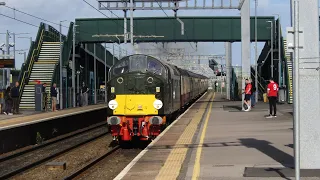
(157, 104)
(113, 104)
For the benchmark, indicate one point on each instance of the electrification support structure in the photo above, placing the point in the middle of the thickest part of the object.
(256, 51)
(245, 44)
(228, 68)
(74, 66)
(175, 5)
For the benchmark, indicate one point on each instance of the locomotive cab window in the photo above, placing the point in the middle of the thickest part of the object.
(155, 67)
(139, 63)
(122, 67)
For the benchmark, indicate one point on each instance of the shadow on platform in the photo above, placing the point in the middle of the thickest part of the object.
(265, 147)
(283, 158)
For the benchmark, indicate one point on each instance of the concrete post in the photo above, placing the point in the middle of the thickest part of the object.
(95, 73)
(309, 86)
(60, 67)
(228, 68)
(245, 43)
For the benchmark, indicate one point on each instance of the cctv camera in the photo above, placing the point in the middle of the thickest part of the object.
(11, 44)
(2, 45)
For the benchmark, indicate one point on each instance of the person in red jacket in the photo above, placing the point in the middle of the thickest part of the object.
(272, 91)
(247, 94)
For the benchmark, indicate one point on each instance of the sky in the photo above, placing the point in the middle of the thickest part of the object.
(58, 10)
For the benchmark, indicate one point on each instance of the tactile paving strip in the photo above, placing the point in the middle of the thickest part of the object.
(173, 164)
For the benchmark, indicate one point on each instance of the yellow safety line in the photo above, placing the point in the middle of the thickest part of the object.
(196, 168)
(171, 168)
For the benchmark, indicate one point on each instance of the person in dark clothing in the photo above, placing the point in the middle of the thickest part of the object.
(272, 91)
(15, 97)
(253, 98)
(53, 92)
(84, 94)
(45, 96)
(215, 86)
(8, 101)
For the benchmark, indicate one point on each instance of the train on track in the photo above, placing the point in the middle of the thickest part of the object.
(143, 94)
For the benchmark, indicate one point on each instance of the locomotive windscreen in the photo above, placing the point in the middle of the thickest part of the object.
(140, 63)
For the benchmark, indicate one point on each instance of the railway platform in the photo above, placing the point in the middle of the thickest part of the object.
(32, 117)
(26, 130)
(214, 139)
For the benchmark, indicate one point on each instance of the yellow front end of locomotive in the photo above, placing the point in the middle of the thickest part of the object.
(136, 105)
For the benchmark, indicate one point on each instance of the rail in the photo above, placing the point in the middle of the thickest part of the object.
(65, 143)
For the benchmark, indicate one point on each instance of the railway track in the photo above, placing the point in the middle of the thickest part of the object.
(15, 163)
(91, 164)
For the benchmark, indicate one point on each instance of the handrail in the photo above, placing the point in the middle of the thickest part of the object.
(259, 82)
(45, 33)
(31, 64)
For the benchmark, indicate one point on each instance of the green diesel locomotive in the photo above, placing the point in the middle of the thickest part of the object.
(143, 92)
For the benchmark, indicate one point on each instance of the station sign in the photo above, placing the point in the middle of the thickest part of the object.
(7, 63)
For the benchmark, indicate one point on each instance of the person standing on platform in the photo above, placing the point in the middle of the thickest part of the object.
(44, 96)
(215, 86)
(15, 98)
(53, 92)
(272, 91)
(247, 94)
(84, 94)
(8, 101)
(253, 98)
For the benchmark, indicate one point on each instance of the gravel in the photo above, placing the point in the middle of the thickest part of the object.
(34, 156)
(74, 159)
(111, 166)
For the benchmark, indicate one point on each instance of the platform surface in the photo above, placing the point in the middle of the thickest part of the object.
(214, 140)
(29, 117)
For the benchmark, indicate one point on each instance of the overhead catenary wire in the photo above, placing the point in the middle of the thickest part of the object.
(14, 18)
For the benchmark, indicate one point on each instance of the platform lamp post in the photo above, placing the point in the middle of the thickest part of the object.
(271, 32)
(74, 65)
(60, 62)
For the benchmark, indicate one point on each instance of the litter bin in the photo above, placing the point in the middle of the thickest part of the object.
(282, 94)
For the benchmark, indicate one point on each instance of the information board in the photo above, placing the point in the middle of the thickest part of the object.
(6, 63)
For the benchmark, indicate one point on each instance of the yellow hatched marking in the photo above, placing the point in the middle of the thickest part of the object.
(173, 164)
